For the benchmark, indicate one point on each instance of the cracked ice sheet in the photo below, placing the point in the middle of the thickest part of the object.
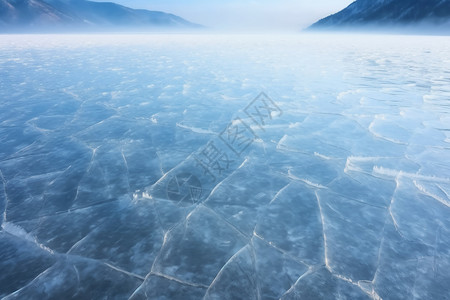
(346, 195)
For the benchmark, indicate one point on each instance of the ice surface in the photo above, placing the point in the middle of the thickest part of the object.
(339, 188)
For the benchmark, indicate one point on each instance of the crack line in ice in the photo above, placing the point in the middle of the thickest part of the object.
(370, 129)
(413, 292)
(341, 277)
(189, 215)
(293, 177)
(165, 175)
(5, 195)
(101, 261)
(29, 283)
(381, 246)
(396, 173)
(124, 272)
(253, 256)
(436, 197)
(375, 295)
(281, 142)
(70, 210)
(213, 190)
(78, 276)
(322, 156)
(75, 198)
(356, 200)
(54, 174)
(13, 156)
(438, 232)
(278, 193)
(19, 232)
(230, 260)
(397, 182)
(127, 170)
(323, 233)
(238, 231)
(93, 125)
(163, 244)
(161, 227)
(91, 163)
(351, 163)
(137, 290)
(194, 129)
(83, 258)
(25, 156)
(58, 175)
(443, 191)
(83, 238)
(179, 280)
(182, 222)
(160, 163)
(310, 270)
(272, 245)
(372, 293)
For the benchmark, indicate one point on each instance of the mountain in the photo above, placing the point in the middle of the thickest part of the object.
(63, 15)
(388, 14)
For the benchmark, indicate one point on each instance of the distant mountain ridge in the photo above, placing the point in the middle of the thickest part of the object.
(62, 15)
(389, 13)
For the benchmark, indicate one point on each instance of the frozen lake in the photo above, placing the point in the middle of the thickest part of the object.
(224, 167)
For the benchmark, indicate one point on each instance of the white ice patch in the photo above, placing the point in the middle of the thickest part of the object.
(195, 129)
(18, 231)
(400, 173)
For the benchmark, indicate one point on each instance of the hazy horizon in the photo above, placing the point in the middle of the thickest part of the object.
(284, 15)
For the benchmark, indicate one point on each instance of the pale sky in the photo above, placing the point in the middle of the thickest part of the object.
(289, 15)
